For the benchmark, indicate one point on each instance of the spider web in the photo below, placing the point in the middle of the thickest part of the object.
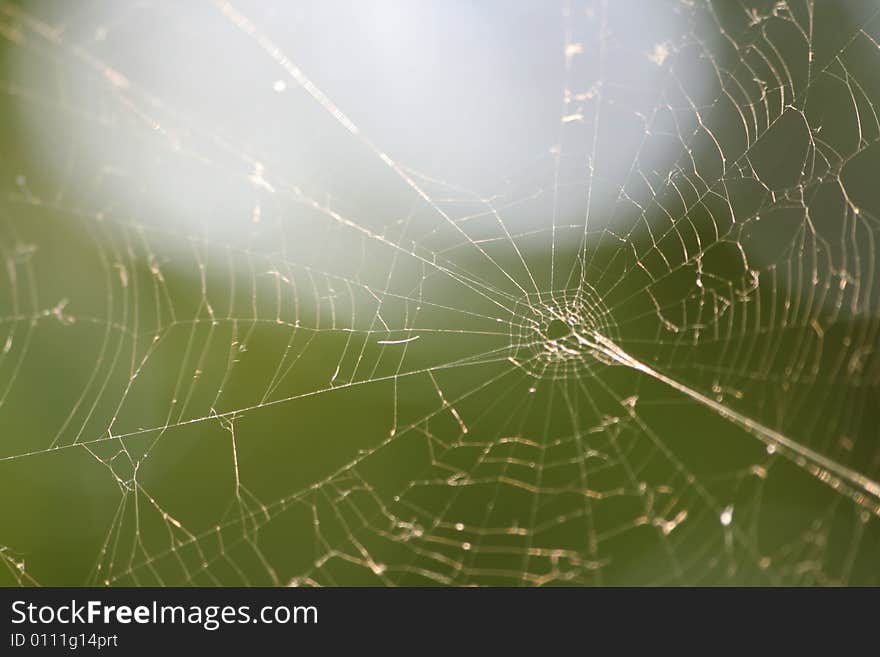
(265, 319)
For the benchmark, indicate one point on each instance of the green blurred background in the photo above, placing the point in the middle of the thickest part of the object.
(209, 275)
